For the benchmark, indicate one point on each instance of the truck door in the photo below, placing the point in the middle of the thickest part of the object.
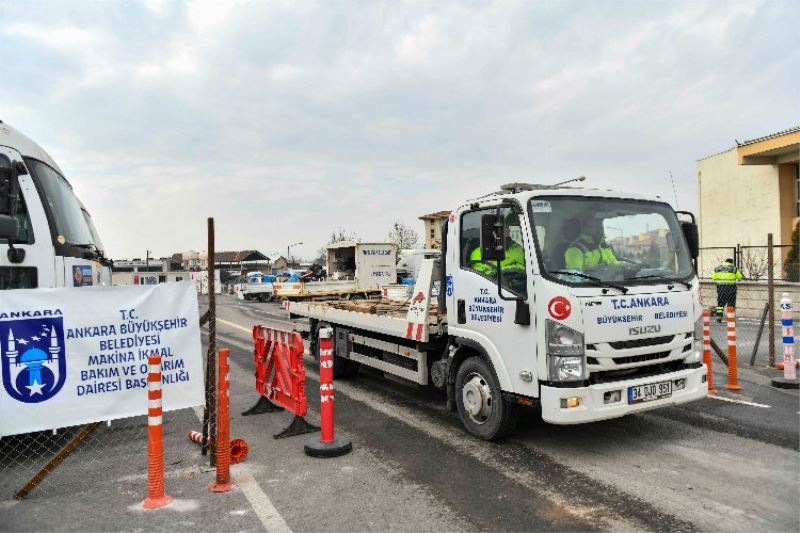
(37, 269)
(475, 310)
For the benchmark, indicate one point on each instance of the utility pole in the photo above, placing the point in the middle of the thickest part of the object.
(288, 253)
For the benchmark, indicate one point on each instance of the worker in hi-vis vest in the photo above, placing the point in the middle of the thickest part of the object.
(726, 275)
(515, 259)
(589, 249)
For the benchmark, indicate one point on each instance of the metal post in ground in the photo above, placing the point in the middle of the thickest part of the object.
(329, 445)
(156, 496)
(733, 374)
(771, 300)
(209, 416)
(789, 379)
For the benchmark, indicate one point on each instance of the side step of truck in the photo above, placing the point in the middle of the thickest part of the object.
(396, 359)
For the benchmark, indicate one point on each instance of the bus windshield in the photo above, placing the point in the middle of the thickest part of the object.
(591, 240)
(70, 225)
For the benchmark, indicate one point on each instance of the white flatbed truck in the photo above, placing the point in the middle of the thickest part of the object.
(366, 267)
(49, 235)
(585, 334)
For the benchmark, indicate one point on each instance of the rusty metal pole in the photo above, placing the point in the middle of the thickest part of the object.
(210, 415)
(771, 300)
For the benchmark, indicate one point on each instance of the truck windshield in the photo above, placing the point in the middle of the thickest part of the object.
(93, 230)
(591, 241)
(62, 205)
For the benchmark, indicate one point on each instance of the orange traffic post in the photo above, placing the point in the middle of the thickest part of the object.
(707, 351)
(239, 447)
(733, 377)
(155, 437)
(223, 482)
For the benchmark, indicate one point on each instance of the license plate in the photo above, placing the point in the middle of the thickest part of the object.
(649, 392)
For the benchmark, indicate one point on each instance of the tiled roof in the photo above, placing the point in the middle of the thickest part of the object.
(436, 215)
(239, 256)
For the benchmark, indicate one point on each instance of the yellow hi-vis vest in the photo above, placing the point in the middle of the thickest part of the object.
(726, 274)
(515, 260)
(583, 253)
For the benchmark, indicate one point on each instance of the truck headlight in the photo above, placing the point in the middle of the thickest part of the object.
(562, 340)
(696, 354)
(564, 369)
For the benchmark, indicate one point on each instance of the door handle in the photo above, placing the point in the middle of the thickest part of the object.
(462, 311)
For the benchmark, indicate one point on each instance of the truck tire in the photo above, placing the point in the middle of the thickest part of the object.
(342, 368)
(481, 406)
(265, 297)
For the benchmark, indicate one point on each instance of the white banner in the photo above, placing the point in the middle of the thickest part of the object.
(78, 355)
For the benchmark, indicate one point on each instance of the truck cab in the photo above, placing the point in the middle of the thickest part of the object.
(585, 300)
(48, 234)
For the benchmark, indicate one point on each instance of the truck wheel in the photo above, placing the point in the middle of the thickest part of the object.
(266, 298)
(342, 368)
(481, 406)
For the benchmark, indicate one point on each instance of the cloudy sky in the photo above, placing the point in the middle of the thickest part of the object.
(285, 119)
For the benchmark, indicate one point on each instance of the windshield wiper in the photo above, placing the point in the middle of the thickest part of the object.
(662, 278)
(597, 280)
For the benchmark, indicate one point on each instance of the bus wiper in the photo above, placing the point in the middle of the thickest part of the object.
(662, 278)
(93, 252)
(597, 280)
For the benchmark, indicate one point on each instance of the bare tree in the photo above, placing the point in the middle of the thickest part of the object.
(404, 236)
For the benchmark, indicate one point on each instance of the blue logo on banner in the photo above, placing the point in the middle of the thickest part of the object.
(33, 359)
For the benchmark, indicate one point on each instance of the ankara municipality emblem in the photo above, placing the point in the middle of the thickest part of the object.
(33, 358)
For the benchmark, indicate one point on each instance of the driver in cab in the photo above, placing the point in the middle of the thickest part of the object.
(587, 247)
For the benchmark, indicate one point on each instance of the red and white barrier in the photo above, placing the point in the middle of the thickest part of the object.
(156, 497)
(787, 328)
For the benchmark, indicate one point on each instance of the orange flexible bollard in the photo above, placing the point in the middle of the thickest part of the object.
(223, 482)
(156, 496)
(239, 447)
(733, 376)
(707, 351)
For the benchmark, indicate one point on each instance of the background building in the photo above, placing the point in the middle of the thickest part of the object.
(751, 190)
(433, 229)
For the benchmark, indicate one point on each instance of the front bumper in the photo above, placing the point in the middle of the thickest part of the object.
(592, 406)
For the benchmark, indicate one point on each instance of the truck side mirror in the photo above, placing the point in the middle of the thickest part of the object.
(690, 234)
(492, 238)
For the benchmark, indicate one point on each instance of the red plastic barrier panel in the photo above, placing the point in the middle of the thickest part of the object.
(280, 375)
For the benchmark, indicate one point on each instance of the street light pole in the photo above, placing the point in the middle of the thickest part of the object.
(288, 252)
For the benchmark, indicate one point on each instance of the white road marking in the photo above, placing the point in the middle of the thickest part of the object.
(743, 402)
(266, 512)
(259, 501)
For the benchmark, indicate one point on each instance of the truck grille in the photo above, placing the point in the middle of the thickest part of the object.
(638, 343)
(640, 358)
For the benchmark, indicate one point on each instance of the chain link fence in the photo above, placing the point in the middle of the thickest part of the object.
(752, 261)
(64, 460)
(107, 451)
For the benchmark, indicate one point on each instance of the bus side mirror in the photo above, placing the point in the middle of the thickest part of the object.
(9, 227)
(492, 241)
(690, 234)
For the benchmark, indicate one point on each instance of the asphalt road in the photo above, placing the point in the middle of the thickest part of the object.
(715, 465)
